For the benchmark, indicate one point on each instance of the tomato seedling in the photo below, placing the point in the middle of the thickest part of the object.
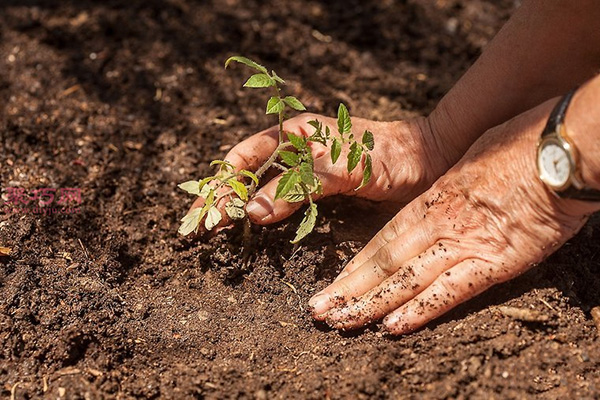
(293, 156)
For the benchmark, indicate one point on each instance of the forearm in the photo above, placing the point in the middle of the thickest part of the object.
(582, 123)
(545, 49)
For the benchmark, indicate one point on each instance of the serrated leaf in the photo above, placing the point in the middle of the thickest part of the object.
(250, 175)
(190, 222)
(235, 209)
(275, 105)
(354, 156)
(223, 163)
(213, 217)
(192, 187)
(318, 135)
(248, 62)
(259, 81)
(299, 142)
(315, 123)
(367, 172)
(308, 223)
(239, 188)
(277, 78)
(294, 103)
(343, 120)
(318, 138)
(307, 175)
(290, 158)
(336, 150)
(288, 180)
(368, 140)
(295, 195)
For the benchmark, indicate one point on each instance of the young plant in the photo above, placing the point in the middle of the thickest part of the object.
(293, 156)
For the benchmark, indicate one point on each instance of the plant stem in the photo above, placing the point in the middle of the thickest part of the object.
(263, 168)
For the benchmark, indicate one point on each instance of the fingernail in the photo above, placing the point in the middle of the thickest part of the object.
(260, 207)
(320, 303)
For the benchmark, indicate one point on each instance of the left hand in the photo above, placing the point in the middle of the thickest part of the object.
(486, 221)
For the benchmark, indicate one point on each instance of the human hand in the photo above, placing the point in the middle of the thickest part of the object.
(486, 221)
(406, 160)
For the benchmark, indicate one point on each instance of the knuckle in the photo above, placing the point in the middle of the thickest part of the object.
(390, 231)
(384, 261)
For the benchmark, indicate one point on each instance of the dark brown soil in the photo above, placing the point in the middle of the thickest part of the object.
(126, 99)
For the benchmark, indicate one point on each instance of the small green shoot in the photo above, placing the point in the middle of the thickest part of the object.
(298, 182)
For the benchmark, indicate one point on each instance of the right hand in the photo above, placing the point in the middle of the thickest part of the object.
(407, 159)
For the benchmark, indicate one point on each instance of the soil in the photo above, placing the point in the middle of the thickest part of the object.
(126, 99)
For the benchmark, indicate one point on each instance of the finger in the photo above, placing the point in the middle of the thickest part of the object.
(384, 263)
(411, 279)
(406, 218)
(460, 283)
(263, 210)
(252, 153)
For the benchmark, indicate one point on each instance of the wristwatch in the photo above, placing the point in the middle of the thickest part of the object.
(557, 157)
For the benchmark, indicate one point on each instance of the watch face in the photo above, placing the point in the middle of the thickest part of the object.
(554, 165)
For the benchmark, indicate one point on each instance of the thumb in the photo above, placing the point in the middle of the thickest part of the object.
(263, 210)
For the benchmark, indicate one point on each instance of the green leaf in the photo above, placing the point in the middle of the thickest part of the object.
(318, 135)
(368, 140)
(259, 81)
(213, 217)
(295, 195)
(277, 78)
(288, 180)
(307, 175)
(308, 223)
(290, 158)
(343, 120)
(294, 103)
(319, 188)
(336, 150)
(275, 105)
(315, 123)
(318, 138)
(250, 175)
(327, 132)
(248, 62)
(204, 181)
(354, 156)
(239, 188)
(205, 191)
(235, 209)
(367, 172)
(192, 187)
(190, 222)
(299, 142)
(223, 163)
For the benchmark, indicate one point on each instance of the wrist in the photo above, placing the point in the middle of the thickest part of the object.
(582, 122)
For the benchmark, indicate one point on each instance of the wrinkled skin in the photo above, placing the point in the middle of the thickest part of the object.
(487, 220)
